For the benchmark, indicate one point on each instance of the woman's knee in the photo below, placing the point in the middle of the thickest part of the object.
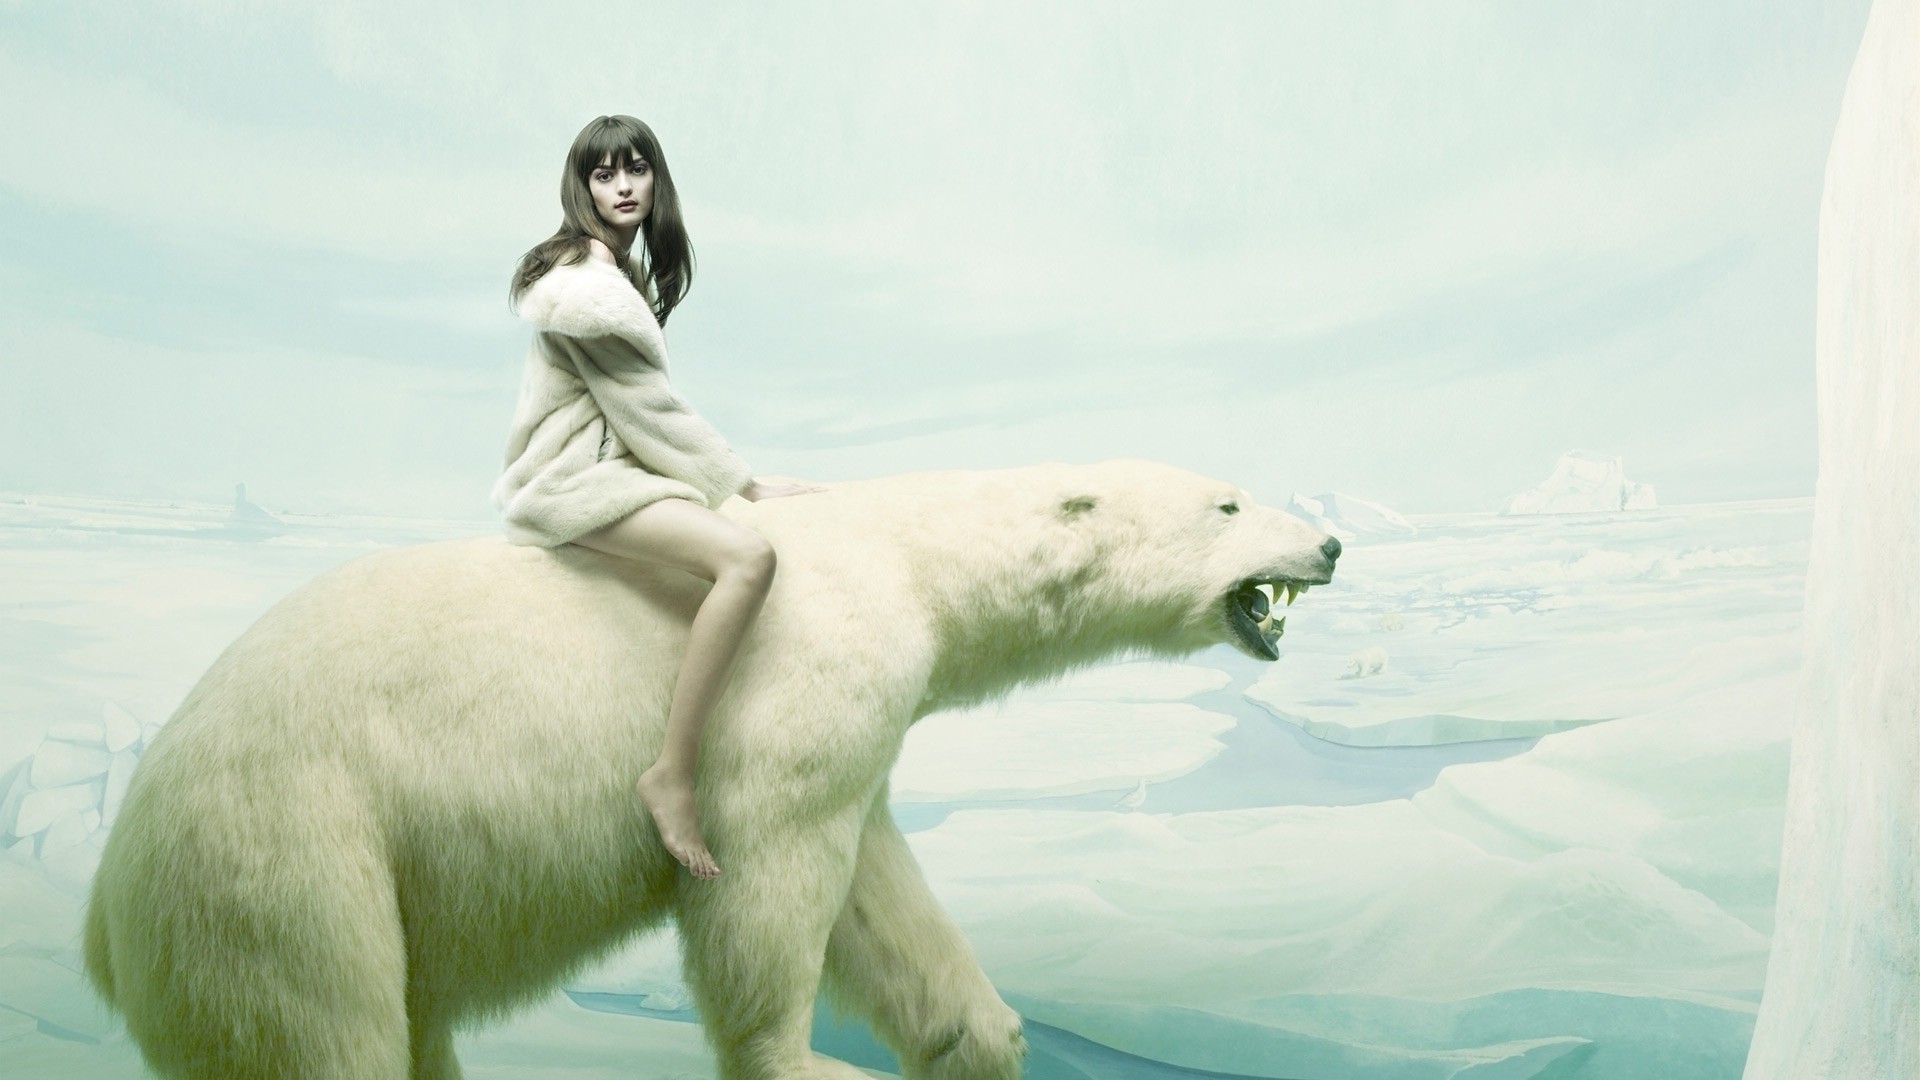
(751, 559)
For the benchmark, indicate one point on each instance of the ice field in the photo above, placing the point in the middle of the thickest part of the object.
(1509, 806)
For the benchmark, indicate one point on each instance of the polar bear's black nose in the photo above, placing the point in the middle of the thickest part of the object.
(1331, 548)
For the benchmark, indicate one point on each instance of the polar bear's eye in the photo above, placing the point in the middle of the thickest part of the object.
(1230, 507)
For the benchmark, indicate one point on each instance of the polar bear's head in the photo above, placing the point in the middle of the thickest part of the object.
(1022, 575)
(1187, 560)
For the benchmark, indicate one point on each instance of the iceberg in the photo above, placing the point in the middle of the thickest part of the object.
(249, 520)
(1347, 518)
(1583, 482)
(248, 512)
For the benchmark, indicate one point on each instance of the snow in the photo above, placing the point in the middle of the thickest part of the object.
(649, 965)
(122, 728)
(70, 790)
(80, 731)
(16, 786)
(1516, 629)
(1053, 748)
(1583, 482)
(1106, 907)
(1248, 1047)
(561, 1040)
(119, 775)
(60, 762)
(40, 809)
(47, 991)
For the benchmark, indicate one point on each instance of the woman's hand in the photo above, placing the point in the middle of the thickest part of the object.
(757, 490)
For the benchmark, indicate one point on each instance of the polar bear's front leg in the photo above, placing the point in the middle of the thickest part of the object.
(753, 941)
(898, 960)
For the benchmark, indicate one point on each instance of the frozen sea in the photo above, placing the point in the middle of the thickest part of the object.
(1509, 806)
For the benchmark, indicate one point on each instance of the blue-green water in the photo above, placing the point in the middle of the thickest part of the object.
(1343, 1037)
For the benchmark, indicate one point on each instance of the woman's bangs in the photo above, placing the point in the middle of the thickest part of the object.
(610, 142)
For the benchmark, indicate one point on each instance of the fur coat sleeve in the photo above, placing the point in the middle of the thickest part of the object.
(598, 432)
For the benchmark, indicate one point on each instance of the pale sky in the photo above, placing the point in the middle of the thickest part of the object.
(1410, 252)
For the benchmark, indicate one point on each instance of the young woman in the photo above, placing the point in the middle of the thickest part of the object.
(603, 453)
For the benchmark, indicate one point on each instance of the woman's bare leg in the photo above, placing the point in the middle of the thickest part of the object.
(740, 563)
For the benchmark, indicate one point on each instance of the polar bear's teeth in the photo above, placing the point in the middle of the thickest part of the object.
(1293, 590)
(1280, 628)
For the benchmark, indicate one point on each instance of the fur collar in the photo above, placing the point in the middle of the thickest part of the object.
(591, 298)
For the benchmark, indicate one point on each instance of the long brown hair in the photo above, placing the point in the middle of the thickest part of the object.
(667, 272)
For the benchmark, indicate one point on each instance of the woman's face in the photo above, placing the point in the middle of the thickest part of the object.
(623, 197)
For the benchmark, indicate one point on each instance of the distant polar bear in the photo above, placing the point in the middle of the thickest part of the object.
(1371, 660)
(404, 799)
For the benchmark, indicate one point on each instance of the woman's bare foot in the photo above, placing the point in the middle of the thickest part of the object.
(668, 794)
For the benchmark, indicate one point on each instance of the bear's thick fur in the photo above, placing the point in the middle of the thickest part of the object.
(404, 798)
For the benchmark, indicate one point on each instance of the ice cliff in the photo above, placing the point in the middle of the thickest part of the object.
(1843, 993)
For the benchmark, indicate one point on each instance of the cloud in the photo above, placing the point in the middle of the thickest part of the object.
(203, 182)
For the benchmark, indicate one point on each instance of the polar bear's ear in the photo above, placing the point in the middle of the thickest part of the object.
(1073, 543)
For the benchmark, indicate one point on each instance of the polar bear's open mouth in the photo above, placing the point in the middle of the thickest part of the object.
(1250, 613)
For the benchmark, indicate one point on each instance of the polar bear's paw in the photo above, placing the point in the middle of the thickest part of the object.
(989, 1046)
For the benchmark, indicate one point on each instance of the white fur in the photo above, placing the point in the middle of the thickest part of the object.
(404, 798)
(598, 432)
(592, 298)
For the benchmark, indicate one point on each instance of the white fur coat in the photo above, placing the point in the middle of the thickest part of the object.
(598, 433)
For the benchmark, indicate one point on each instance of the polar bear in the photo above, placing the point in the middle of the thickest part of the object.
(1371, 660)
(403, 800)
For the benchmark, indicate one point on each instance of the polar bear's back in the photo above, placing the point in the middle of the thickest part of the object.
(417, 642)
(428, 680)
